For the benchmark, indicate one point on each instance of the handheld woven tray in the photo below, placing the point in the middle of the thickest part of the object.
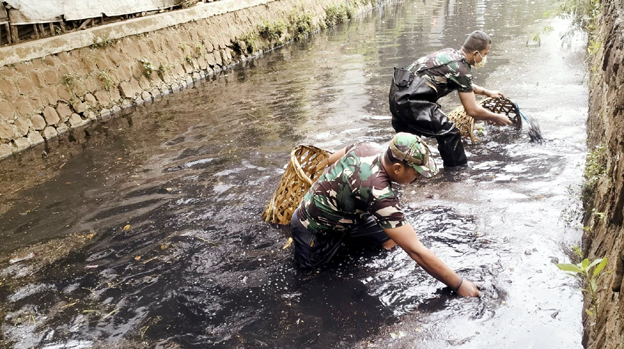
(465, 122)
(306, 165)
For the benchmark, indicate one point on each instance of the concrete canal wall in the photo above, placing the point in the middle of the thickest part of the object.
(55, 86)
(603, 193)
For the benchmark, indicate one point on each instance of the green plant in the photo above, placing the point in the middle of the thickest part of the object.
(537, 36)
(583, 15)
(107, 79)
(199, 48)
(68, 80)
(582, 12)
(595, 167)
(100, 42)
(148, 68)
(272, 31)
(338, 13)
(301, 24)
(595, 164)
(583, 271)
(246, 44)
(593, 47)
(189, 59)
(577, 251)
(600, 215)
(164, 68)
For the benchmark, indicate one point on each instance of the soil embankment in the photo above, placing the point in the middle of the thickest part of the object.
(603, 192)
(53, 87)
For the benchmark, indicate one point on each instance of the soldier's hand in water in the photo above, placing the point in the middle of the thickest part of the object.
(468, 289)
(502, 120)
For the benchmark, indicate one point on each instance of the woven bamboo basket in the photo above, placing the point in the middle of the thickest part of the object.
(465, 122)
(306, 165)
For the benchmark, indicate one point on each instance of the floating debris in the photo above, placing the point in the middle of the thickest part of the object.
(397, 335)
(287, 244)
(24, 258)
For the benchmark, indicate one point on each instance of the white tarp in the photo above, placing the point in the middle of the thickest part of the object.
(43, 11)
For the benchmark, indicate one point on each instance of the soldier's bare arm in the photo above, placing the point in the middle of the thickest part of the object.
(473, 109)
(336, 156)
(406, 238)
(478, 90)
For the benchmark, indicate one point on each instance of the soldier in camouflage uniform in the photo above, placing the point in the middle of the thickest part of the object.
(354, 202)
(415, 91)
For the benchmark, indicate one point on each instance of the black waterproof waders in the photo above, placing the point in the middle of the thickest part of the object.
(414, 110)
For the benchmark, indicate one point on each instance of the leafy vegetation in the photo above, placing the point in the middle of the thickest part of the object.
(583, 14)
(583, 270)
(189, 59)
(148, 67)
(595, 167)
(272, 31)
(106, 78)
(246, 44)
(100, 42)
(338, 13)
(301, 25)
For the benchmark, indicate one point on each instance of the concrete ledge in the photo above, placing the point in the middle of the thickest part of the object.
(70, 41)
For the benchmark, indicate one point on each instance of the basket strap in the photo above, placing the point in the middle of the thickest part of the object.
(298, 170)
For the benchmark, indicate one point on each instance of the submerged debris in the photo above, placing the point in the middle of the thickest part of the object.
(24, 258)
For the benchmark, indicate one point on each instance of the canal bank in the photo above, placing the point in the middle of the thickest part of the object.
(603, 189)
(51, 89)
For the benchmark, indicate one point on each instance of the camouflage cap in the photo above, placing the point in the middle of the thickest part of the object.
(412, 150)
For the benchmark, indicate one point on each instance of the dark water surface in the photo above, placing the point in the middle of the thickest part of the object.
(148, 232)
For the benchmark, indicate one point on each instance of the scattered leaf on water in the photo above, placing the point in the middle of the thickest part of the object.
(169, 189)
(137, 258)
(126, 228)
(109, 314)
(19, 259)
(287, 244)
(68, 305)
(397, 335)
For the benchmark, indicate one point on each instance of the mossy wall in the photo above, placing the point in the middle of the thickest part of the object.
(604, 189)
(50, 96)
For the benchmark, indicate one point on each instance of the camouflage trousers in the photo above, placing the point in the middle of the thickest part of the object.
(313, 249)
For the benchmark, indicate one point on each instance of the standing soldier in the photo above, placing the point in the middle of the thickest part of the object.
(354, 202)
(415, 91)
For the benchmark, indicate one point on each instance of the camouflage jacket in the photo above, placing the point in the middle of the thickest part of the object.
(350, 190)
(447, 70)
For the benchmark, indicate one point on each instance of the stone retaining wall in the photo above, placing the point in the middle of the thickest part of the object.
(604, 190)
(61, 84)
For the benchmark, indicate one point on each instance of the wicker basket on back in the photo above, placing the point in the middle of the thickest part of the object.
(465, 122)
(306, 165)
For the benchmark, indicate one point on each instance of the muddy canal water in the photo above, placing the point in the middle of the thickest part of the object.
(147, 233)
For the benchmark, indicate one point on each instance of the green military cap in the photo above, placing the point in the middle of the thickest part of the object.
(412, 150)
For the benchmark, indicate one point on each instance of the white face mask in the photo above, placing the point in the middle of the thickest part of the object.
(482, 63)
